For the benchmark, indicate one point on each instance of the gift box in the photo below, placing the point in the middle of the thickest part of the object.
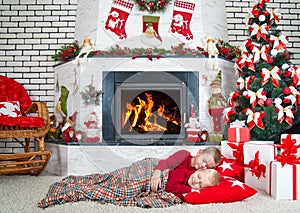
(192, 139)
(237, 132)
(293, 136)
(285, 181)
(192, 135)
(233, 151)
(192, 131)
(262, 153)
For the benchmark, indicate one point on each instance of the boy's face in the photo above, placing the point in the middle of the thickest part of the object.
(204, 161)
(200, 179)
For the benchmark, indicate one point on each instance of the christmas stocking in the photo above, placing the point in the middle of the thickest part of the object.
(150, 34)
(116, 20)
(180, 26)
(64, 93)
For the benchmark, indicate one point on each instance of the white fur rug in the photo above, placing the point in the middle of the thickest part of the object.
(22, 193)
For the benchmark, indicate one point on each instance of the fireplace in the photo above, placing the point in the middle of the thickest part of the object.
(147, 108)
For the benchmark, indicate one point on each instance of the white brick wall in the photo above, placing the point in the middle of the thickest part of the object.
(32, 30)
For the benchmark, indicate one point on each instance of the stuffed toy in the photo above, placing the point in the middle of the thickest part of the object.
(192, 127)
(92, 132)
(67, 131)
(211, 48)
(88, 46)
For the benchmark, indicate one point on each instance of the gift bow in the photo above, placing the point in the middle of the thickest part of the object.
(292, 72)
(256, 97)
(254, 118)
(244, 83)
(292, 97)
(238, 152)
(245, 59)
(259, 30)
(257, 169)
(274, 14)
(279, 42)
(261, 53)
(273, 73)
(288, 154)
(287, 111)
(238, 124)
(228, 112)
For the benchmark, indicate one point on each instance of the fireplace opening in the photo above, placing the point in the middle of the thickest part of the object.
(147, 108)
(150, 111)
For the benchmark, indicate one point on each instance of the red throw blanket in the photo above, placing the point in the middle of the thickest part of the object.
(128, 186)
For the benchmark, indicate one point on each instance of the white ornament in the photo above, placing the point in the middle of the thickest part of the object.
(262, 18)
(285, 66)
(274, 52)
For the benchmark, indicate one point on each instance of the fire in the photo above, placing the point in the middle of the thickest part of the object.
(144, 116)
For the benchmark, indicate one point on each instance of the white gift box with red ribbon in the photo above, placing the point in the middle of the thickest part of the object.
(228, 149)
(293, 136)
(266, 153)
(284, 181)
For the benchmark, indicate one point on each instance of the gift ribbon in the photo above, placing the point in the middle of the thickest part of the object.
(237, 134)
(294, 182)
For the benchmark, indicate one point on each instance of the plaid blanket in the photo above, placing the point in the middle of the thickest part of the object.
(128, 186)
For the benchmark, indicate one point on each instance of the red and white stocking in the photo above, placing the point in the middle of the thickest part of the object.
(182, 15)
(116, 20)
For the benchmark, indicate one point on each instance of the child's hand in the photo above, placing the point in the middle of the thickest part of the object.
(155, 181)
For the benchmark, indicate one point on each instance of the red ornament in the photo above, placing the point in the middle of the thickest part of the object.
(269, 102)
(287, 91)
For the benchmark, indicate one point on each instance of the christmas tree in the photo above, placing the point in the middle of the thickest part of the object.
(267, 94)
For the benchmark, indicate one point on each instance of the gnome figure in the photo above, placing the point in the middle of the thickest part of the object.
(216, 103)
(192, 127)
(92, 133)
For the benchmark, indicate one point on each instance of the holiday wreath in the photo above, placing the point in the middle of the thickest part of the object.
(152, 5)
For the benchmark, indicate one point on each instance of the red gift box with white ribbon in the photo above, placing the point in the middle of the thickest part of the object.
(238, 132)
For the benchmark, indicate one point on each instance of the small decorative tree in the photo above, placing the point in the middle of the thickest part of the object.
(267, 94)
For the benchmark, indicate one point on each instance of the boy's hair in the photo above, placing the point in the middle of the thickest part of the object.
(215, 152)
(214, 177)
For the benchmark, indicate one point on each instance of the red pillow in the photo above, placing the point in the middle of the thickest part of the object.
(10, 109)
(229, 168)
(229, 190)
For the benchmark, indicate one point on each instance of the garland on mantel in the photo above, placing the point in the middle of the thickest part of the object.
(227, 51)
(152, 6)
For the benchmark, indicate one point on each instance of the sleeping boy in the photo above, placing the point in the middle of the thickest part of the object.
(207, 158)
(182, 181)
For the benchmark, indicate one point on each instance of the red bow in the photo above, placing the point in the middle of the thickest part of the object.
(238, 152)
(257, 169)
(288, 154)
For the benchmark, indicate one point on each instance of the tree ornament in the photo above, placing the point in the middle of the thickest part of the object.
(274, 52)
(285, 66)
(262, 18)
(287, 91)
(152, 6)
(269, 102)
